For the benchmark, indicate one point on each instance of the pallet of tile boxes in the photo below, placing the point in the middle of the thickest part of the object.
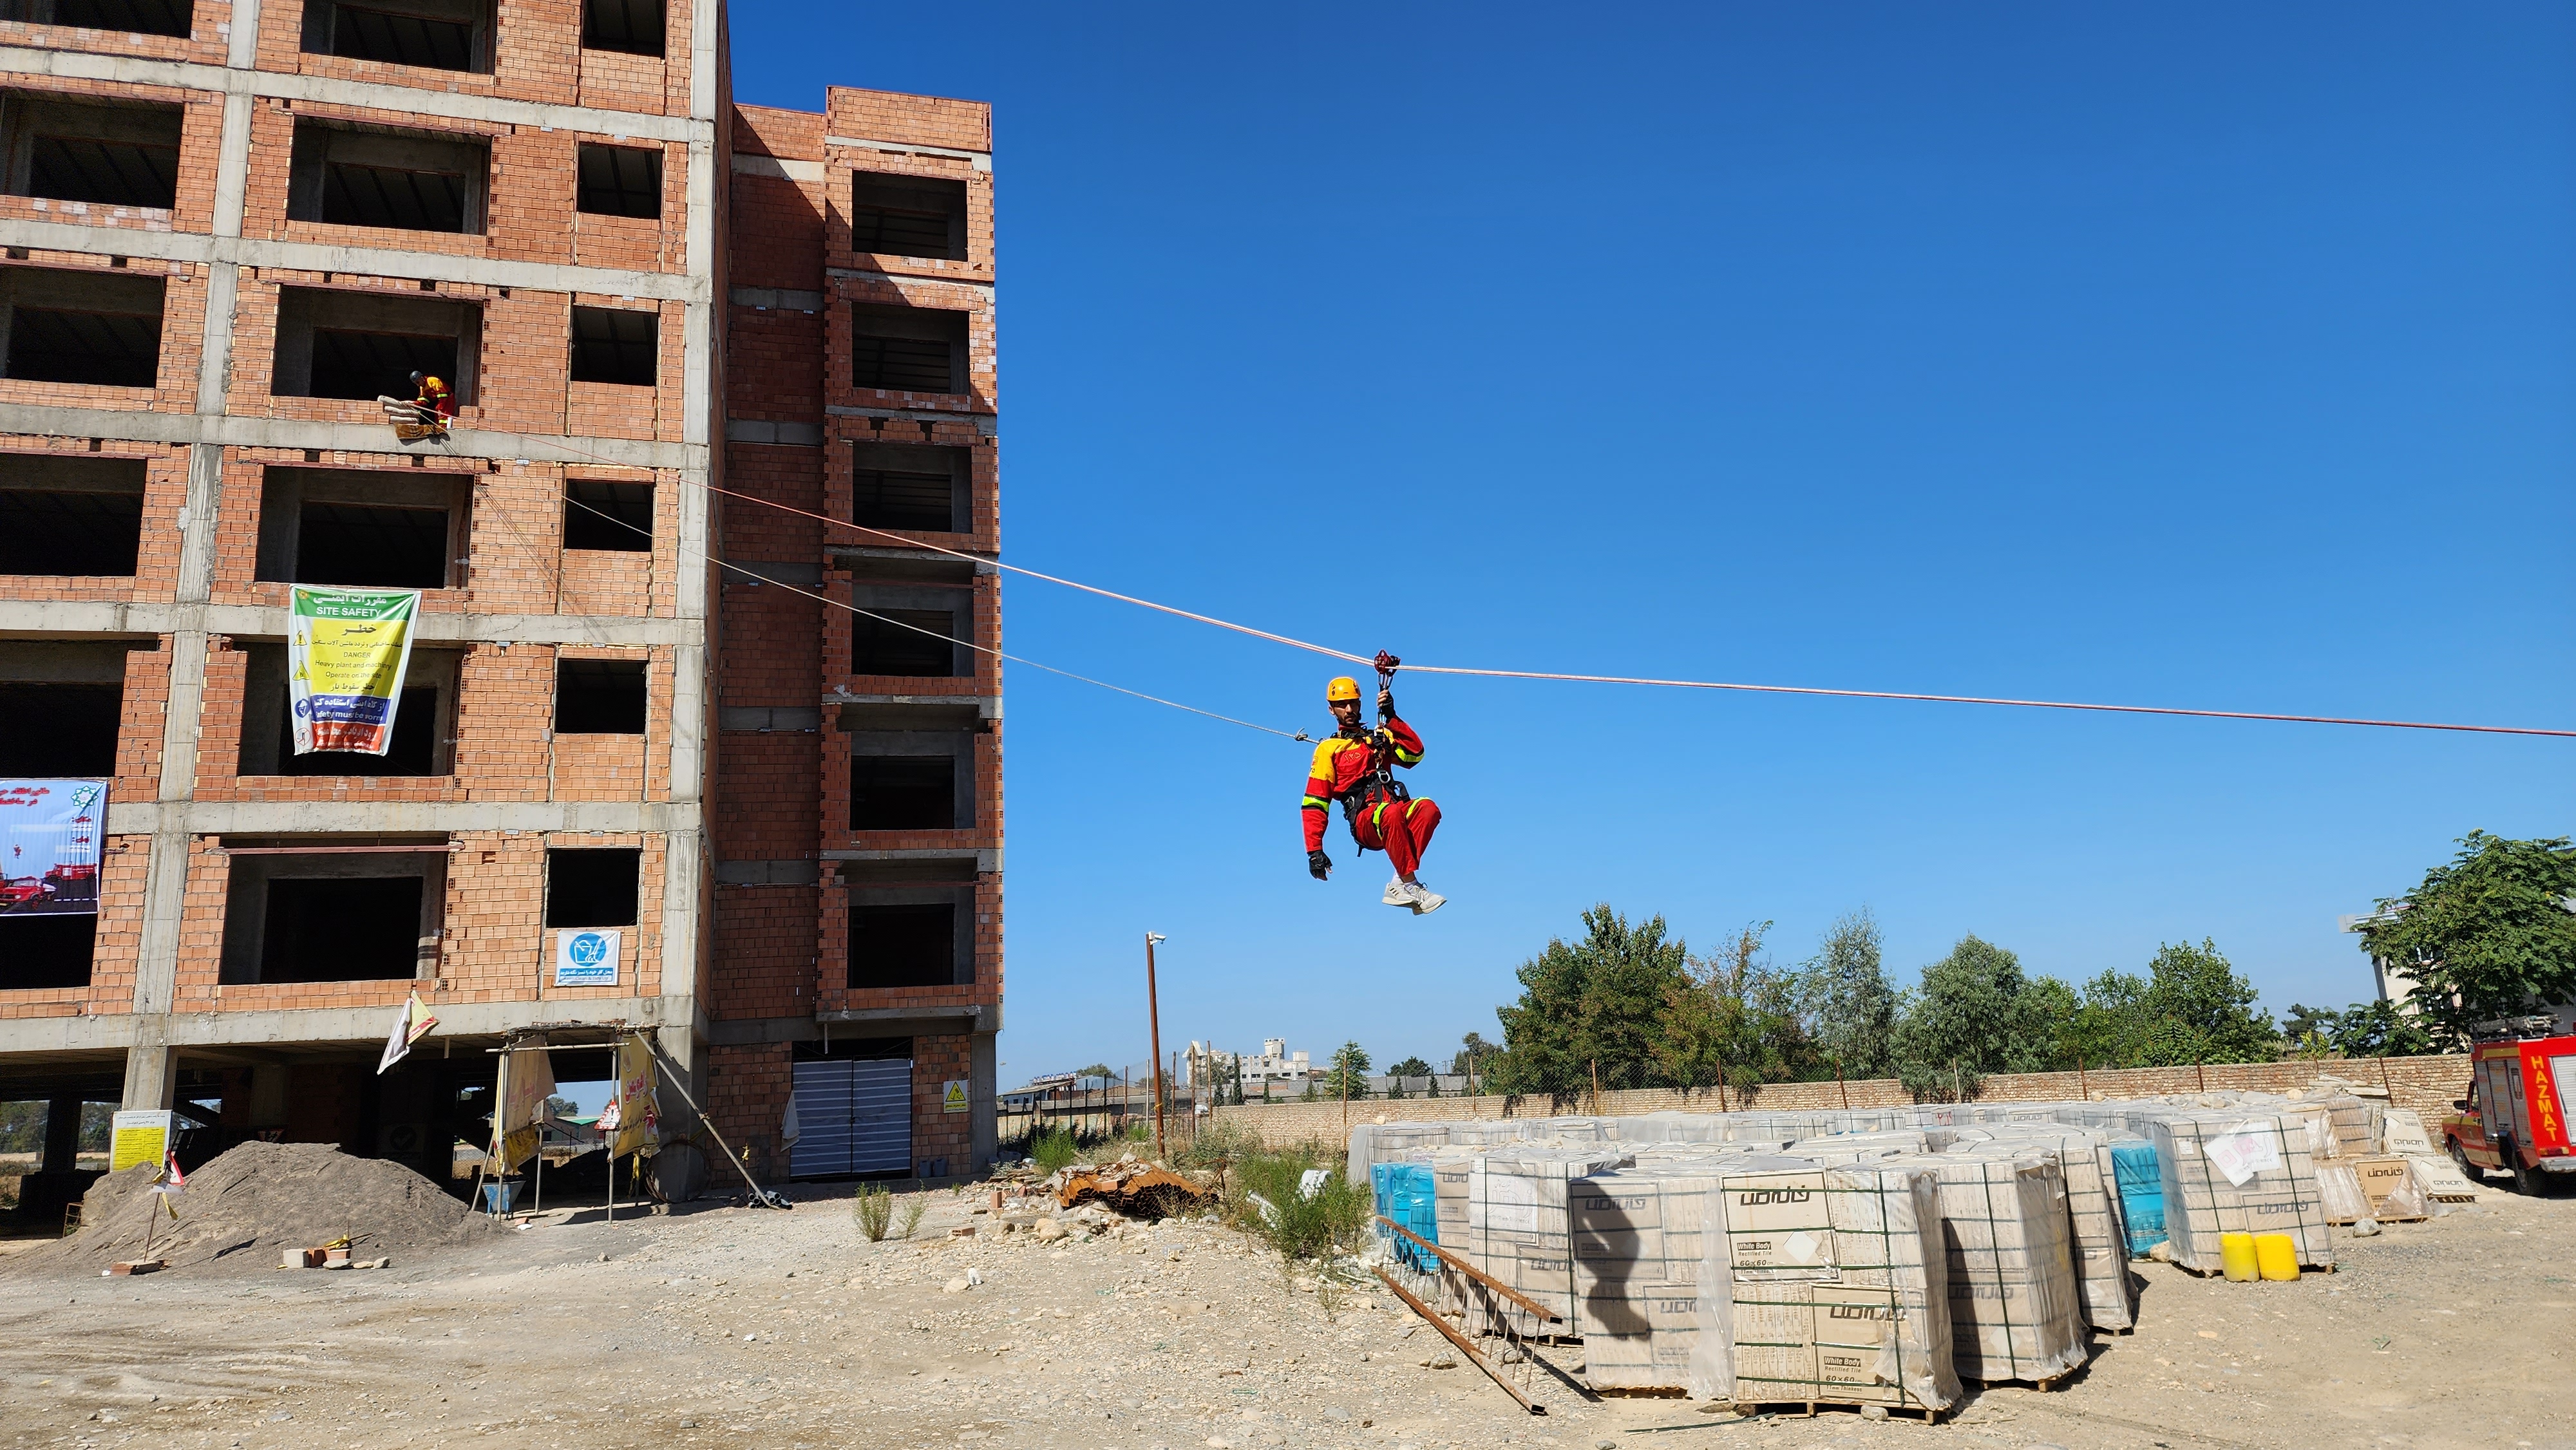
(1823, 1285)
(2238, 1171)
(1517, 1226)
(2101, 1231)
(2016, 1305)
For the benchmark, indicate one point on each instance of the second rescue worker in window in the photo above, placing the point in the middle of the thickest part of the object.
(1357, 768)
(430, 395)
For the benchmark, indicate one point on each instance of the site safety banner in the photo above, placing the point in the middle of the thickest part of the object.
(49, 837)
(634, 1115)
(346, 653)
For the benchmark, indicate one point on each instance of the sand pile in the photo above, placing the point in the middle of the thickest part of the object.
(240, 1210)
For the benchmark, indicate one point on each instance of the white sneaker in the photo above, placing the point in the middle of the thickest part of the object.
(1397, 893)
(1425, 899)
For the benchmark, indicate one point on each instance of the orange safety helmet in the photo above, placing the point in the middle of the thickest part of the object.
(1342, 688)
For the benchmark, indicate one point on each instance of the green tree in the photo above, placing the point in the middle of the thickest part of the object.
(2199, 1008)
(1097, 1069)
(1849, 1006)
(2106, 1023)
(1349, 1074)
(2489, 935)
(1601, 999)
(2381, 1029)
(1972, 1016)
(1410, 1067)
(1732, 1019)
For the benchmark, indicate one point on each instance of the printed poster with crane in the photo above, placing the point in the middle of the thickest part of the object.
(50, 832)
(346, 652)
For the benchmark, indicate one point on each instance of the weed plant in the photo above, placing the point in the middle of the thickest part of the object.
(874, 1210)
(1320, 1228)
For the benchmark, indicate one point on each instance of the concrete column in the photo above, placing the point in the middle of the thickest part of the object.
(62, 1135)
(268, 1082)
(981, 1088)
(151, 1075)
(682, 1051)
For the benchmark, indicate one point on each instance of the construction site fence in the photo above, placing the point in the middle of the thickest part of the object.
(2425, 1085)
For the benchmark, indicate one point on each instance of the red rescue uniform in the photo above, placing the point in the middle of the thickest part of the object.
(1346, 769)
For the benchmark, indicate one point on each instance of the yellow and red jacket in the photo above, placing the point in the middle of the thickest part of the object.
(1343, 767)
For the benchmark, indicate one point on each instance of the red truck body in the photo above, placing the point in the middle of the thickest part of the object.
(2522, 1093)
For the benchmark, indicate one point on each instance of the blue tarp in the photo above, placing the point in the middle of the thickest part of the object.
(2142, 1194)
(1404, 1194)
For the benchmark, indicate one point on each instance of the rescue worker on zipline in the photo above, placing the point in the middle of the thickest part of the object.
(436, 404)
(1357, 768)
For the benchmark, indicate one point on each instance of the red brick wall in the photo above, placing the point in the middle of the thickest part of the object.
(2425, 1085)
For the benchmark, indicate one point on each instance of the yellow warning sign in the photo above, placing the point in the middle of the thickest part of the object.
(954, 1100)
(138, 1137)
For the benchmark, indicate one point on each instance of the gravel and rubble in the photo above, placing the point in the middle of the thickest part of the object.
(744, 1327)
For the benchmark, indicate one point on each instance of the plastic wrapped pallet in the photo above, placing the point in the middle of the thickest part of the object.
(2016, 1306)
(1517, 1225)
(2142, 1193)
(2402, 1132)
(1673, 1127)
(1374, 1143)
(2237, 1172)
(1405, 1193)
(1637, 1256)
(2100, 1241)
(2440, 1179)
(2339, 1189)
(1824, 1284)
(1853, 1147)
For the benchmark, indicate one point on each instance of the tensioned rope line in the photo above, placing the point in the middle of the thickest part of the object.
(1815, 690)
(951, 639)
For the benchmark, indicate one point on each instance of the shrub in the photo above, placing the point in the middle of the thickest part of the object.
(1053, 1148)
(911, 1220)
(874, 1210)
(1333, 1221)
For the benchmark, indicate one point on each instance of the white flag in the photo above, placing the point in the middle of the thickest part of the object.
(410, 1027)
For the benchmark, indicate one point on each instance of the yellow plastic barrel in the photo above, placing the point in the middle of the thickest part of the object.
(2276, 1256)
(2236, 1256)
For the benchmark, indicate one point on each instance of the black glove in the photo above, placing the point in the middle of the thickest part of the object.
(1318, 865)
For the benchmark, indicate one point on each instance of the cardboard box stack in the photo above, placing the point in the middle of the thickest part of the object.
(2237, 1171)
(2016, 1306)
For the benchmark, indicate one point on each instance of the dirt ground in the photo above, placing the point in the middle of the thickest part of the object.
(739, 1327)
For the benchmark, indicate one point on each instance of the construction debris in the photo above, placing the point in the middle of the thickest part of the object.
(1133, 1187)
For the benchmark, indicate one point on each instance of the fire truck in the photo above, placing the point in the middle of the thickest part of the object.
(2522, 1093)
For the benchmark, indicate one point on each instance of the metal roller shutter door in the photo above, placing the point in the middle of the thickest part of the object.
(881, 1116)
(822, 1120)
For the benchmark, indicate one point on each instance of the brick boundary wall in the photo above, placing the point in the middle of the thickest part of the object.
(2425, 1084)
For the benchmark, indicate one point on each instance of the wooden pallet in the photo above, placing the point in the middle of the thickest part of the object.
(1808, 1408)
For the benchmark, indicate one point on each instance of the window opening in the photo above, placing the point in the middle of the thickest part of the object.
(366, 546)
(909, 486)
(380, 196)
(592, 886)
(908, 216)
(903, 792)
(614, 346)
(61, 515)
(102, 153)
(49, 729)
(456, 37)
(599, 697)
(903, 946)
(633, 27)
(50, 950)
(907, 349)
(608, 516)
(99, 329)
(879, 648)
(412, 751)
(341, 929)
(618, 181)
(139, 17)
(376, 364)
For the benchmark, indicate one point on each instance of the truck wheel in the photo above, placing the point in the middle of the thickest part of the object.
(2525, 1182)
(2468, 1170)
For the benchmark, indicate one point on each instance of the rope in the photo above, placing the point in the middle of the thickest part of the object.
(908, 542)
(934, 634)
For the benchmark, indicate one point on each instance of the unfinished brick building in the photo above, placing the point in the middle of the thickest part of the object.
(229, 228)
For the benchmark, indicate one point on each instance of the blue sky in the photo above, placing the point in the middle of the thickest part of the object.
(2186, 355)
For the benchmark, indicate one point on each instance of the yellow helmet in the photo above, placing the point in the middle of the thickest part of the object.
(1342, 688)
(434, 383)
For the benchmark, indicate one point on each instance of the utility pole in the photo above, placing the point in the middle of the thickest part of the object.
(1154, 1027)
